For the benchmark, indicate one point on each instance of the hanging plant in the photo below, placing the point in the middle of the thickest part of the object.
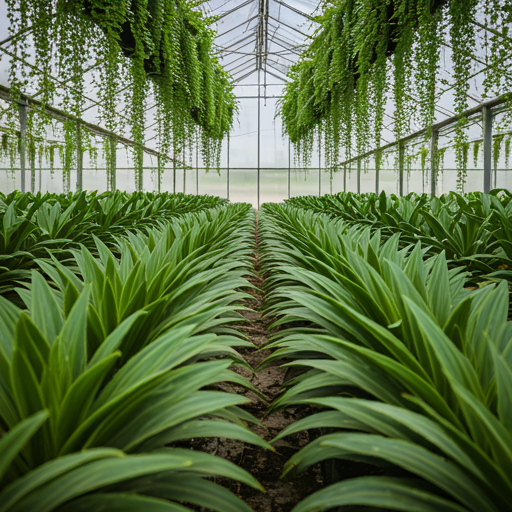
(342, 78)
(426, 60)
(423, 152)
(50, 156)
(5, 144)
(476, 152)
(496, 149)
(440, 159)
(462, 13)
(409, 159)
(163, 45)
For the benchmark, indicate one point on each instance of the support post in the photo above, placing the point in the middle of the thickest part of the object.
(434, 139)
(79, 158)
(32, 158)
(487, 136)
(319, 169)
(174, 172)
(158, 173)
(259, 132)
(377, 158)
(289, 167)
(228, 170)
(113, 163)
(401, 167)
(197, 165)
(23, 143)
(358, 175)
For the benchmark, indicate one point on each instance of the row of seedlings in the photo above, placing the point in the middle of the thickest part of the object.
(409, 367)
(113, 363)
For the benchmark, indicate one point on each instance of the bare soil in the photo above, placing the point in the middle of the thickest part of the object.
(266, 466)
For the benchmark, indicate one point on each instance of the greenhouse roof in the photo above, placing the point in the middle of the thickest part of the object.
(265, 35)
(257, 42)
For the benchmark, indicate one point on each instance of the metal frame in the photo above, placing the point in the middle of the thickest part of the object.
(485, 108)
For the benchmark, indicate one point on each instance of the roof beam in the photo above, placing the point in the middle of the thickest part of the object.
(307, 16)
(224, 14)
(238, 26)
(289, 26)
(245, 76)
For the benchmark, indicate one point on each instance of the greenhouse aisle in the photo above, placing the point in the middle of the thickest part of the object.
(266, 466)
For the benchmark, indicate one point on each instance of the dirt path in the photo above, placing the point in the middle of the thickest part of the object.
(267, 466)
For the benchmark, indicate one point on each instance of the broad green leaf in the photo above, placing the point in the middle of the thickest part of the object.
(16, 438)
(381, 492)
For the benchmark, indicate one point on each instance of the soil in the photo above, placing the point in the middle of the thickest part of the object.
(266, 466)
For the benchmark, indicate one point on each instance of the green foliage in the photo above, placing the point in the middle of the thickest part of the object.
(38, 226)
(340, 84)
(114, 361)
(407, 365)
(472, 230)
(134, 46)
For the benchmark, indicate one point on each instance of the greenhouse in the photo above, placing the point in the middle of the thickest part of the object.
(255, 255)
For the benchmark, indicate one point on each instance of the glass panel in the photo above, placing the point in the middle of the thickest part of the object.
(166, 181)
(94, 179)
(326, 181)
(388, 181)
(273, 185)
(243, 185)
(191, 181)
(179, 180)
(448, 181)
(415, 180)
(274, 149)
(213, 183)
(150, 179)
(51, 181)
(125, 179)
(351, 179)
(367, 180)
(304, 182)
(243, 150)
(504, 179)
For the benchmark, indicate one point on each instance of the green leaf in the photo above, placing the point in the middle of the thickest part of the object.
(74, 335)
(95, 475)
(119, 502)
(381, 492)
(79, 398)
(16, 438)
(45, 310)
(418, 460)
(50, 471)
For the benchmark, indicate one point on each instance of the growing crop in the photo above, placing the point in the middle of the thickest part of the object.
(113, 363)
(399, 352)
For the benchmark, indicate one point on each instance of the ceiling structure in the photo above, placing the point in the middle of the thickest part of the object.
(261, 36)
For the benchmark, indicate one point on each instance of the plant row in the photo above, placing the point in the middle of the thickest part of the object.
(473, 230)
(113, 363)
(35, 227)
(408, 367)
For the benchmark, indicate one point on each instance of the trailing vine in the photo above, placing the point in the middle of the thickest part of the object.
(476, 152)
(342, 79)
(462, 32)
(496, 147)
(134, 47)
